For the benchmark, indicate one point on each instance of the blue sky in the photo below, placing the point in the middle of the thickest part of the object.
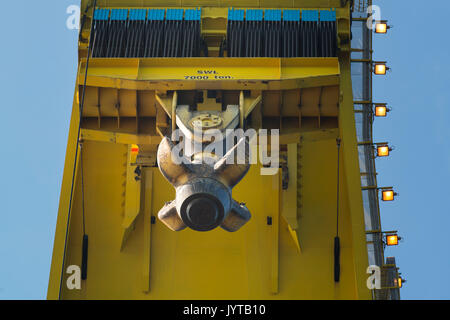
(38, 64)
(419, 168)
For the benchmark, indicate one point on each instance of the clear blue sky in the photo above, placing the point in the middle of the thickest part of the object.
(38, 68)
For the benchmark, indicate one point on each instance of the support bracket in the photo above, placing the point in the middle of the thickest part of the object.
(132, 196)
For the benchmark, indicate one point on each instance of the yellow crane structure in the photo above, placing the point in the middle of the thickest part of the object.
(140, 226)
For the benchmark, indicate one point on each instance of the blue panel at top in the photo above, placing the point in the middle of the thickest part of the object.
(273, 15)
(138, 14)
(236, 14)
(101, 14)
(156, 14)
(310, 15)
(175, 14)
(291, 15)
(327, 15)
(193, 15)
(119, 14)
(254, 15)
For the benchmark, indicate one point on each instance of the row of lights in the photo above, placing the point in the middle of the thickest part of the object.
(383, 150)
(380, 68)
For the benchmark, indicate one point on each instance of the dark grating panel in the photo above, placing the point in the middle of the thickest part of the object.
(277, 33)
(141, 33)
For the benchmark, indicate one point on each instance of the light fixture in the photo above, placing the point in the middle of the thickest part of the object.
(388, 195)
(133, 153)
(399, 282)
(380, 68)
(381, 27)
(134, 148)
(383, 150)
(381, 110)
(392, 239)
